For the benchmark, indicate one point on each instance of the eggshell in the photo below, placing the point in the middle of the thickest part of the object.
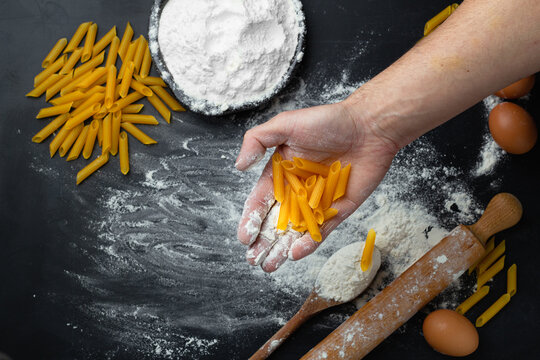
(518, 89)
(512, 128)
(450, 333)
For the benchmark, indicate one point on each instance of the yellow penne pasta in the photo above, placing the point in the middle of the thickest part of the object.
(491, 272)
(69, 98)
(72, 85)
(160, 107)
(111, 86)
(71, 62)
(490, 245)
(54, 110)
(296, 184)
(284, 210)
(472, 300)
(127, 59)
(330, 186)
(50, 128)
(150, 81)
(367, 253)
(128, 100)
(126, 41)
(100, 132)
(126, 80)
(104, 41)
(82, 116)
(103, 111)
(58, 140)
(133, 109)
(52, 69)
(101, 81)
(89, 43)
(89, 66)
(62, 82)
(77, 37)
(90, 139)
(139, 119)
(309, 218)
(107, 134)
(329, 213)
(96, 98)
(317, 192)
(38, 91)
(300, 228)
(511, 280)
(53, 54)
(124, 153)
(113, 52)
(311, 166)
(139, 87)
(167, 98)
(92, 78)
(343, 181)
(70, 139)
(277, 178)
(295, 215)
(492, 310)
(146, 63)
(319, 215)
(79, 144)
(139, 53)
(92, 168)
(94, 90)
(438, 19)
(115, 131)
(289, 166)
(310, 184)
(138, 134)
(491, 257)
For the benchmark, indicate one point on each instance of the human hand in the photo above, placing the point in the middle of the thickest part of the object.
(324, 134)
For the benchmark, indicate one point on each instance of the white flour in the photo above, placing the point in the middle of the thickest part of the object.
(227, 54)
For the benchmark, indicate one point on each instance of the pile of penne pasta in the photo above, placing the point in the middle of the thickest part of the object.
(308, 192)
(486, 268)
(92, 102)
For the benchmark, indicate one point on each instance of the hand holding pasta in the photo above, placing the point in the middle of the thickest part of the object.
(327, 135)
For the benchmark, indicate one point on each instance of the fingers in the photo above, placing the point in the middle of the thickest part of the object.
(279, 252)
(256, 207)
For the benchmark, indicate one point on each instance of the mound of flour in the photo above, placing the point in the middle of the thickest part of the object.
(225, 54)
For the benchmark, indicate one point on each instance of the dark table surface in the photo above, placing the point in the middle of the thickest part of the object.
(60, 300)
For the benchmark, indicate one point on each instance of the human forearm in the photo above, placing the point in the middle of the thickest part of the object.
(482, 47)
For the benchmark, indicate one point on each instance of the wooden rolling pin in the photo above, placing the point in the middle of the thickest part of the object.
(418, 285)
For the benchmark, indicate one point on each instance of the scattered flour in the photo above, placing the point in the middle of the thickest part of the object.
(490, 156)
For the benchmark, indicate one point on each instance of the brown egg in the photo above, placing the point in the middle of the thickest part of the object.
(450, 333)
(518, 89)
(512, 128)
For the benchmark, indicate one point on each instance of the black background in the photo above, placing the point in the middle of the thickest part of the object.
(37, 213)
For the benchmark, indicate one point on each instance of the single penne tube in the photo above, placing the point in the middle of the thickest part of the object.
(150, 80)
(296, 184)
(82, 116)
(58, 140)
(167, 98)
(52, 69)
(126, 41)
(438, 19)
(490, 245)
(127, 59)
(133, 109)
(38, 91)
(317, 192)
(139, 119)
(54, 110)
(50, 128)
(511, 280)
(100, 132)
(115, 131)
(319, 215)
(277, 178)
(491, 272)
(113, 52)
(472, 300)
(69, 98)
(139, 53)
(92, 78)
(310, 184)
(96, 98)
(53, 54)
(92, 168)
(126, 80)
(104, 41)
(289, 166)
(71, 62)
(107, 134)
(160, 107)
(146, 63)
(329, 213)
(492, 310)
(103, 111)
(79, 144)
(343, 181)
(90, 139)
(309, 218)
(367, 253)
(77, 37)
(128, 100)
(63, 81)
(311, 166)
(284, 210)
(491, 257)
(124, 153)
(140, 87)
(138, 134)
(89, 66)
(295, 215)
(70, 139)
(89, 43)
(111, 86)
(330, 186)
